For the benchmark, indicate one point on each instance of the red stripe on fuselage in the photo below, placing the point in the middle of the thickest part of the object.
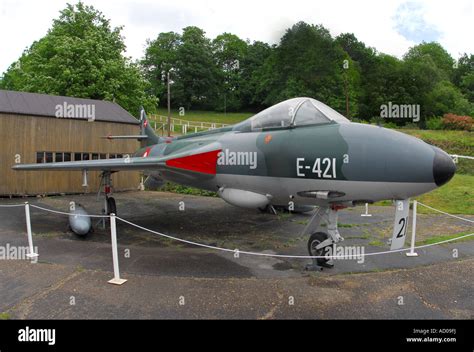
(147, 152)
(204, 162)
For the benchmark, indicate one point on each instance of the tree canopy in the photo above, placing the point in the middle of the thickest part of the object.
(238, 75)
(82, 56)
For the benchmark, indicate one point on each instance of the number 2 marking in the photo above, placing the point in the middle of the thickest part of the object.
(403, 229)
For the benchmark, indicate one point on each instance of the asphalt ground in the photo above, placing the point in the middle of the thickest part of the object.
(169, 279)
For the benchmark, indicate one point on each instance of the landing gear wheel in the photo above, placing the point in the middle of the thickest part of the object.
(268, 209)
(314, 240)
(111, 206)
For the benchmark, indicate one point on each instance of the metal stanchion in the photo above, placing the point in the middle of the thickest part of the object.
(412, 252)
(113, 233)
(366, 210)
(31, 253)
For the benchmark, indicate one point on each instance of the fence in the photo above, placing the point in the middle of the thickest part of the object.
(159, 122)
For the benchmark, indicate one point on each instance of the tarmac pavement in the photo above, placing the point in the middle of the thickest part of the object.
(167, 279)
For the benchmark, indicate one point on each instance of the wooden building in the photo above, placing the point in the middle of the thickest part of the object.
(38, 128)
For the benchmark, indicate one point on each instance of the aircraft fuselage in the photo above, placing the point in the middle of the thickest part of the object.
(343, 162)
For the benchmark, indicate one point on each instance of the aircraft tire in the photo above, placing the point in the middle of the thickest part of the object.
(315, 239)
(111, 206)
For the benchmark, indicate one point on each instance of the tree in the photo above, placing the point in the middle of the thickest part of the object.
(309, 62)
(196, 75)
(358, 52)
(438, 55)
(367, 65)
(445, 97)
(253, 68)
(81, 56)
(463, 76)
(229, 52)
(383, 83)
(427, 74)
(161, 57)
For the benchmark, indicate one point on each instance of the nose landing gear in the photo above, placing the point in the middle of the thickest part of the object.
(320, 243)
(315, 250)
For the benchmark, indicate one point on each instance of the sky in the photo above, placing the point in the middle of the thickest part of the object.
(390, 26)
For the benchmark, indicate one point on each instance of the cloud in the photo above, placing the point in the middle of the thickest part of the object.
(410, 22)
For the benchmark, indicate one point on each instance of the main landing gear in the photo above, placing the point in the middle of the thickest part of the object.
(321, 243)
(110, 207)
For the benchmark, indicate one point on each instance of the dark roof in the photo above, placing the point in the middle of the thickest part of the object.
(23, 103)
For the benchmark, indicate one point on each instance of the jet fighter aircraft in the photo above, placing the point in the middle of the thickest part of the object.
(297, 153)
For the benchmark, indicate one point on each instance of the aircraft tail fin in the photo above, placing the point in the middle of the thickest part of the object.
(147, 135)
(146, 130)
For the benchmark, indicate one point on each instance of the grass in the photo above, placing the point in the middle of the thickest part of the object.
(455, 197)
(376, 243)
(283, 216)
(436, 239)
(175, 188)
(453, 142)
(342, 225)
(208, 116)
(365, 236)
(302, 222)
(455, 139)
(5, 316)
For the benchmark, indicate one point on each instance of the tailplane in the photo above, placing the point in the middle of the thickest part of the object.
(146, 137)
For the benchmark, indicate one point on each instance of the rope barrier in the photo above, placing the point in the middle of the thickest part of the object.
(68, 214)
(11, 205)
(260, 253)
(285, 255)
(442, 212)
(463, 156)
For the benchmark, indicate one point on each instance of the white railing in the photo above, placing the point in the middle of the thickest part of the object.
(184, 126)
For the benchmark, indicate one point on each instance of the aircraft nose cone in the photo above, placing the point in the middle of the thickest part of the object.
(443, 167)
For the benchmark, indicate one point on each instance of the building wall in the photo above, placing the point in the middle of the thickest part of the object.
(25, 135)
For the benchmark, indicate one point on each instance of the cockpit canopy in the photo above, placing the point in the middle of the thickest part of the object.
(292, 112)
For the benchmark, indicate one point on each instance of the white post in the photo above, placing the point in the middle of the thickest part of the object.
(366, 210)
(32, 253)
(84, 178)
(113, 232)
(412, 252)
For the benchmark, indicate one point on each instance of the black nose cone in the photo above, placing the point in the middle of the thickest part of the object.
(443, 167)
